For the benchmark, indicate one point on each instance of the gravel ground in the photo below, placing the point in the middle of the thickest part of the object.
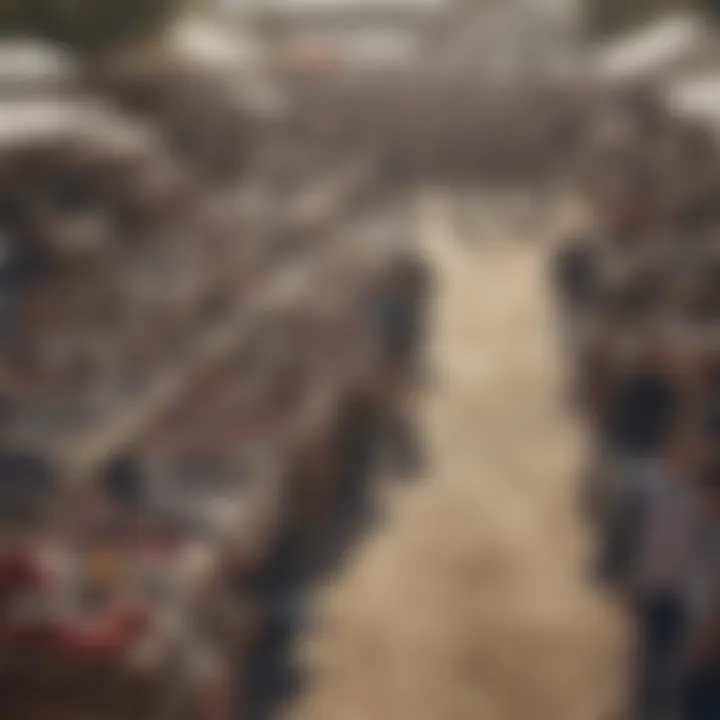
(469, 601)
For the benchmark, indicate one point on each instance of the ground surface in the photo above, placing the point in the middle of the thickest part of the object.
(468, 601)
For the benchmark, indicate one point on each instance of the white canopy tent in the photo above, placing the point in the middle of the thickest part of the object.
(649, 51)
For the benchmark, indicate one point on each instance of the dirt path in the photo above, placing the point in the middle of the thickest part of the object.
(468, 602)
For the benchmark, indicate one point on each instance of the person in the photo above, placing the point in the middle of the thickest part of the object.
(623, 379)
(660, 578)
(399, 317)
(702, 691)
(634, 427)
(400, 312)
(576, 279)
(702, 696)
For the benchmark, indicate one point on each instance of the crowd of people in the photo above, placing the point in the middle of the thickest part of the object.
(639, 298)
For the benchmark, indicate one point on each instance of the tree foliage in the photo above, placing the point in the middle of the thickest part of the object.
(87, 24)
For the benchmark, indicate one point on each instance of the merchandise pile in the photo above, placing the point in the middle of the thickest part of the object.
(188, 291)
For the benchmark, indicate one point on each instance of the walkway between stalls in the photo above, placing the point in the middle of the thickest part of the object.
(468, 602)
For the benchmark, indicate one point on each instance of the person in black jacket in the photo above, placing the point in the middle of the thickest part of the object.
(577, 273)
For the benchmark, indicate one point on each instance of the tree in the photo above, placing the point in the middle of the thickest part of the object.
(87, 25)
